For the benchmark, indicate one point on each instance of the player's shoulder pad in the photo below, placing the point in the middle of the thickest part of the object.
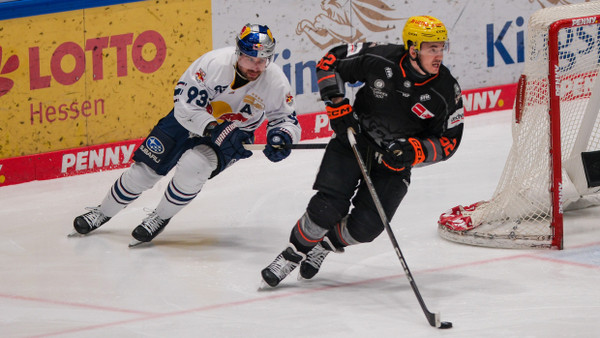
(349, 49)
(275, 75)
(217, 58)
(215, 64)
(445, 77)
(448, 84)
(382, 51)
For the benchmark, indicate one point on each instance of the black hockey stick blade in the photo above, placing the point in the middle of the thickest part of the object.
(288, 146)
(432, 318)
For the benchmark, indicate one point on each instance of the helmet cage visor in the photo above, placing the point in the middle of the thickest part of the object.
(434, 49)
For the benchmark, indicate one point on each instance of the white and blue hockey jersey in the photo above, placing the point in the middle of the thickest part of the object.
(204, 94)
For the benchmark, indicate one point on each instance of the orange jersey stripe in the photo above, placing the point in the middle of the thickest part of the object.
(326, 77)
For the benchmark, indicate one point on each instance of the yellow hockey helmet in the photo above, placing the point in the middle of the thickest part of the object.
(419, 29)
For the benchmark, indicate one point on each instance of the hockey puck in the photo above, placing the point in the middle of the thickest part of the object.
(445, 325)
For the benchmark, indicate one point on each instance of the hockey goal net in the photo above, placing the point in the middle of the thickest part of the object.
(553, 164)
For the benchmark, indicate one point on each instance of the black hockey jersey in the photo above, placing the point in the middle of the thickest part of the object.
(395, 102)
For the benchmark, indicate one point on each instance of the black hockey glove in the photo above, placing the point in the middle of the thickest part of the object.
(277, 139)
(230, 141)
(342, 116)
(403, 153)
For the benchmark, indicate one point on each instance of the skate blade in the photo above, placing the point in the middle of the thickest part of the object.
(135, 243)
(75, 234)
(264, 286)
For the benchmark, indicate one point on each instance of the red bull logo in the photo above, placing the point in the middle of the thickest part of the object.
(223, 111)
(289, 99)
(200, 74)
(232, 117)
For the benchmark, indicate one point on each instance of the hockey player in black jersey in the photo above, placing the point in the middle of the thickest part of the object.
(408, 113)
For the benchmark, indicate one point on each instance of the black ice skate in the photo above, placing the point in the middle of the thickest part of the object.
(150, 228)
(89, 221)
(315, 257)
(285, 262)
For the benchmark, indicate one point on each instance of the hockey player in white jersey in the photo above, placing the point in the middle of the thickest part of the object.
(220, 100)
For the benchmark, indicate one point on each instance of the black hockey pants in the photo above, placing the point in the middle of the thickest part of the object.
(339, 184)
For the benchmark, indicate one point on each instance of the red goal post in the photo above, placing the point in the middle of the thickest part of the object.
(555, 123)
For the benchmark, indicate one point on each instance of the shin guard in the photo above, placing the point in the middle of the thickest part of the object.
(306, 234)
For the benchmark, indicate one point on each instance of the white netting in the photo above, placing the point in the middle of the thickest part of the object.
(519, 212)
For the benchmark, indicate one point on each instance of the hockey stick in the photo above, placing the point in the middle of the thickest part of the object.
(432, 318)
(288, 146)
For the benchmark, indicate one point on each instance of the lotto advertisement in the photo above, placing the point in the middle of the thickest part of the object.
(95, 75)
(89, 77)
(82, 85)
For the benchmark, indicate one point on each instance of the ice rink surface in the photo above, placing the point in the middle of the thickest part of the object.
(200, 276)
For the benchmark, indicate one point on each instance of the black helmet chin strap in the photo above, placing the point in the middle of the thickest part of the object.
(412, 72)
(418, 61)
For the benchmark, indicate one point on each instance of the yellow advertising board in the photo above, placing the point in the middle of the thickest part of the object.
(96, 75)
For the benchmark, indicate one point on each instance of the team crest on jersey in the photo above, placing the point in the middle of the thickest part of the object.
(421, 111)
(289, 99)
(377, 87)
(154, 144)
(388, 72)
(200, 74)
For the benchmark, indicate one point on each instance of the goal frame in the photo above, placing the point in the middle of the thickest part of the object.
(526, 210)
(554, 110)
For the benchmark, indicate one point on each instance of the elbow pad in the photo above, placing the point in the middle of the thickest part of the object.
(330, 85)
